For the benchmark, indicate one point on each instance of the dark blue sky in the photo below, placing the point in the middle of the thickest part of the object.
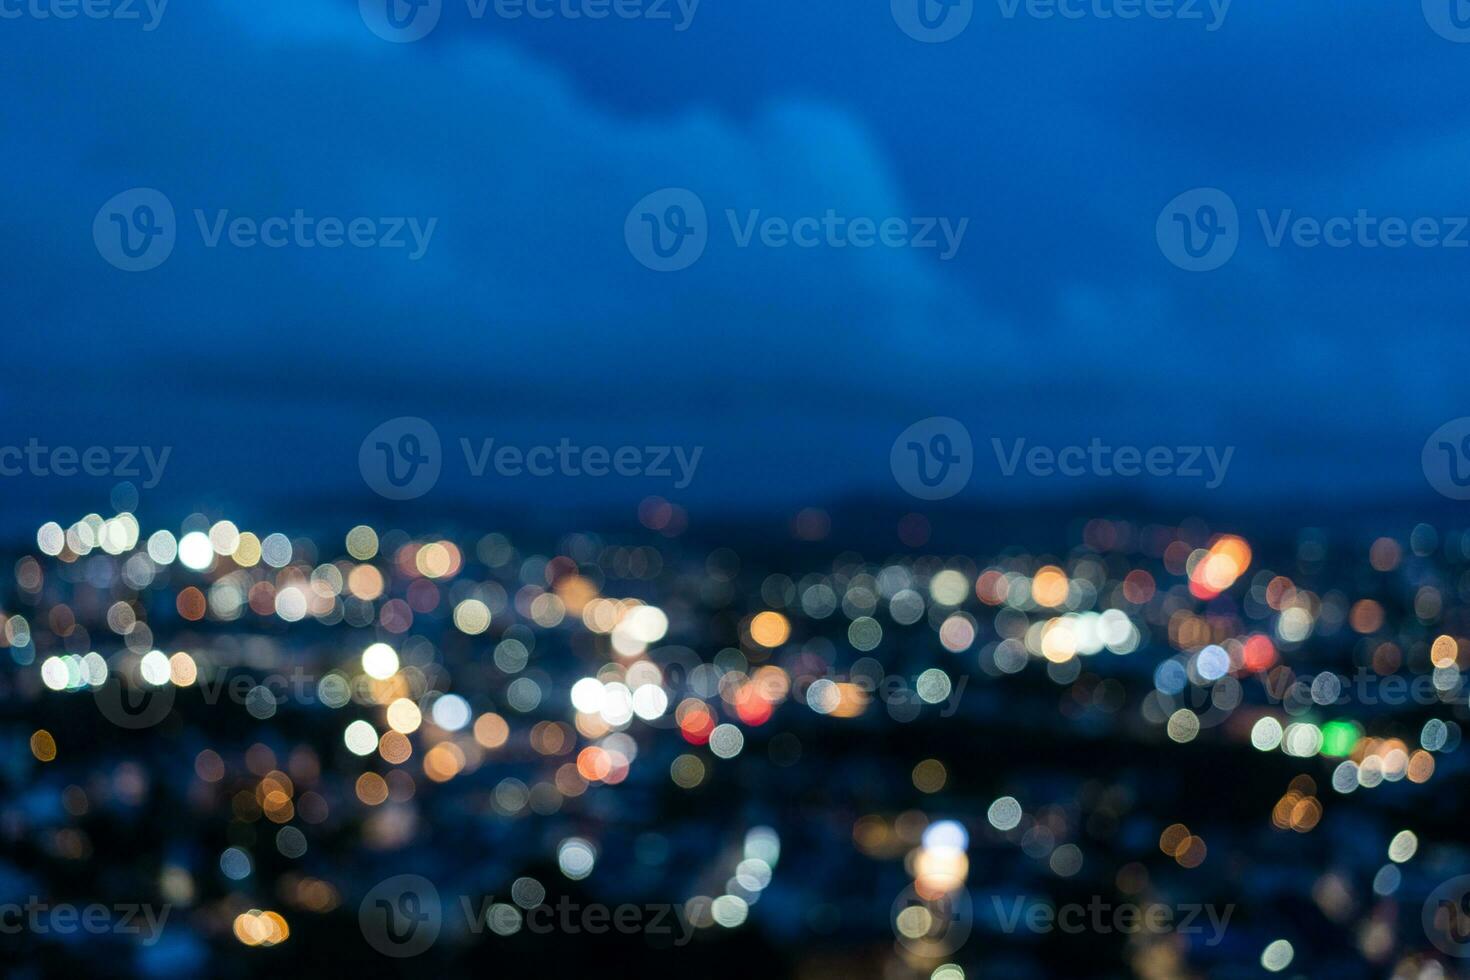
(527, 319)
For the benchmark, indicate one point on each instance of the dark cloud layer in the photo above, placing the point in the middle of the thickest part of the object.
(527, 319)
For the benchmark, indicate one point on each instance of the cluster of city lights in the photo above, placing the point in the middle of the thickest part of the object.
(558, 676)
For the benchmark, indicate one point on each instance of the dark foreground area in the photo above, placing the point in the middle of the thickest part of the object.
(1161, 751)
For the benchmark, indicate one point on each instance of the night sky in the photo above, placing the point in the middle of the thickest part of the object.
(1058, 319)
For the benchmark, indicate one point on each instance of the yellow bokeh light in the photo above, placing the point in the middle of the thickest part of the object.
(404, 716)
(257, 928)
(1049, 587)
(770, 629)
(491, 731)
(43, 746)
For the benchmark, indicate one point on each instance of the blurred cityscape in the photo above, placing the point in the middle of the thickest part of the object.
(911, 490)
(1159, 751)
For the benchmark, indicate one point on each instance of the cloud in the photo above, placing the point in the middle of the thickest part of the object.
(530, 186)
(1058, 321)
